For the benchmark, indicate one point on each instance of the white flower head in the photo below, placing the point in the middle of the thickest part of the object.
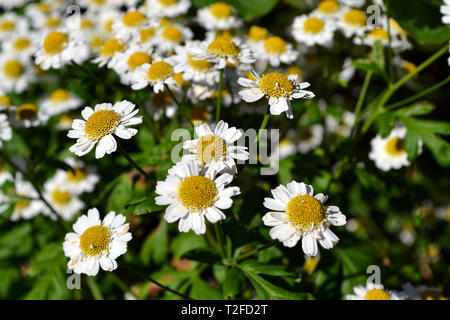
(128, 61)
(422, 292)
(100, 124)
(276, 87)
(276, 51)
(59, 101)
(27, 115)
(79, 179)
(16, 73)
(168, 37)
(310, 138)
(11, 24)
(299, 214)
(216, 149)
(127, 26)
(166, 8)
(373, 291)
(354, 3)
(218, 16)
(63, 201)
(352, 22)
(30, 205)
(109, 53)
(157, 74)
(329, 9)
(21, 45)
(96, 243)
(312, 29)
(192, 194)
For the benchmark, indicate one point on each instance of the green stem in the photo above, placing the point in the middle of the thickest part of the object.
(266, 68)
(251, 253)
(389, 50)
(219, 240)
(263, 125)
(419, 95)
(134, 164)
(219, 96)
(393, 88)
(95, 290)
(362, 97)
(172, 95)
(119, 282)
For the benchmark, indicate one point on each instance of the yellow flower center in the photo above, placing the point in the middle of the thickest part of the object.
(86, 24)
(59, 95)
(276, 84)
(211, 148)
(99, 2)
(159, 71)
(355, 18)
(379, 34)
(197, 193)
(22, 204)
(294, 70)
(275, 45)
(60, 197)
(200, 65)
(398, 28)
(328, 7)
(55, 42)
(138, 59)
(168, 3)
(257, 33)
(21, 44)
(52, 22)
(146, 34)
(107, 25)
(199, 115)
(432, 295)
(7, 26)
(161, 99)
(26, 111)
(77, 175)
(96, 42)
(101, 123)
(223, 47)
(133, 18)
(377, 294)
(44, 7)
(5, 101)
(110, 47)
(13, 69)
(395, 146)
(172, 34)
(178, 77)
(305, 212)
(313, 25)
(221, 10)
(95, 240)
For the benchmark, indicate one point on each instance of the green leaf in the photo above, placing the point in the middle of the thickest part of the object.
(421, 18)
(205, 255)
(142, 206)
(202, 290)
(417, 109)
(155, 247)
(120, 195)
(248, 9)
(233, 284)
(270, 270)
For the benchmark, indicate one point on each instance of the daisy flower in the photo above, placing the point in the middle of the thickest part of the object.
(299, 214)
(5, 129)
(100, 124)
(27, 115)
(65, 203)
(373, 291)
(218, 16)
(38, 12)
(156, 74)
(59, 101)
(65, 121)
(126, 62)
(199, 71)
(127, 26)
(310, 138)
(311, 30)
(223, 50)
(275, 50)
(109, 53)
(256, 36)
(16, 73)
(78, 180)
(390, 153)
(168, 37)
(381, 35)
(216, 149)
(5, 102)
(422, 292)
(445, 10)
(166, 8)
(200, 114)
(352, 22)
(340, 126)
(278, 88)
(162, 104)
(20, 45)
(60, 48)
(193, 194)
(30, 205)
(11, 24)
(328, 9)
(96, 243)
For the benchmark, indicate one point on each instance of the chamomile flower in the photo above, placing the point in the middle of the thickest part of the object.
(378, 34)
(162, 104)
(127, 26)
(60, 48)
(100, 124)
(78, 180)
(38, 12)
(200, 114)
(157, 74)
(342, 125)
(5, 129)
(299, 214)
(216, 149)
(276, 87)
(275, 51)
(109, 53)
(310, 138)
(126, 62)
(373, 291)
(166, 8)
(21, 45)
(422, 292)
(328, 9)
(63, 201)
(65, 121)
(218, 16)
(27, 115)
(223, 50)
(311, 30)
(352, 22)
(59, 101)
(29, 206)
(199, 71)
(16, 73)
(11, 24)
(390, 153)
(256, 36)
(6, 102)
(96, 243)
(193, 194)
(445, 10)
(168, 37)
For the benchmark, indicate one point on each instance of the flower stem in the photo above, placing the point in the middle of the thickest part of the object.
(95, 290)
(134, 164)
(219, 96)
(219, 240)
(172, 95)
(362, 97)
(263, 125)
(252, 252)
